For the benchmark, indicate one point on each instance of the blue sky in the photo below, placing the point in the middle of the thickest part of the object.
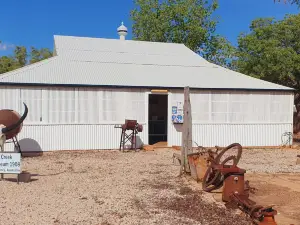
(34, 22)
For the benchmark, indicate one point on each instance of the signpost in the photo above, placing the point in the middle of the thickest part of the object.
(10, 163)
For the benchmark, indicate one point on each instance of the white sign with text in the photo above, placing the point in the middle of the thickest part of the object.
(10, 163)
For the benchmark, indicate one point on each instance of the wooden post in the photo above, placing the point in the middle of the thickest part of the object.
(186, 147)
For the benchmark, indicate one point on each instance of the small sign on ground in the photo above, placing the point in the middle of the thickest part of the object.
(10, 163)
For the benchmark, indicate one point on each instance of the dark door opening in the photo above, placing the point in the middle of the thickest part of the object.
(158, 118)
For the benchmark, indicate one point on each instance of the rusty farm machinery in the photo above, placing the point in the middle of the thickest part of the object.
(207, 165)
(11, 123)
(133, 128)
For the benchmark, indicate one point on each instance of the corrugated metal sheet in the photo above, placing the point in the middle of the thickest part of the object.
(86, 137)
(252, 119)
(62, 71)
(134, 58)
(98, 61)
(266, 116)
(76, 105)
(210, 135)
(71, 137)
(236, 107)
(74, 118)
(66, 43)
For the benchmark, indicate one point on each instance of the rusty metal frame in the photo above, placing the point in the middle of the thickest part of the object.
(134, 128)
(218, 171)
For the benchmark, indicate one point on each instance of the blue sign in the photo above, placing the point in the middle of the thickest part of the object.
(179, 119)
(174, 110)
(177, 113)
(173, 117)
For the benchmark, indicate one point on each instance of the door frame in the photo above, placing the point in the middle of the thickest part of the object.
(169, 111)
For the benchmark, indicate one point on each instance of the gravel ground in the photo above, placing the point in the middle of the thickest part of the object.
(270, 160)
(267, 160)
(109, 187)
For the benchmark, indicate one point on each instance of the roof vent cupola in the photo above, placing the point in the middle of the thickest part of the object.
(122, 31)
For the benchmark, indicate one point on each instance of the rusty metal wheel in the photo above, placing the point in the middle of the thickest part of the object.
(213, 178)
(238, 156)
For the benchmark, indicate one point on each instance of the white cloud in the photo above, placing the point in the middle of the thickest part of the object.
(4, 46)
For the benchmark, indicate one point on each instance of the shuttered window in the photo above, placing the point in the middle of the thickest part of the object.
(32, 97)
(239, 106)
(61, 105)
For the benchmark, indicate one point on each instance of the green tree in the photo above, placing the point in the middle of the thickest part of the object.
(220, 52)
(297, 2)
(21, 55)
(7, 64)
(271, 51)
(21, 58)
(38, 55)
(181, 21)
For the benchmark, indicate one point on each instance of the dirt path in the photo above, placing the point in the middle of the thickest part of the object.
(108, 187)
(282, 190)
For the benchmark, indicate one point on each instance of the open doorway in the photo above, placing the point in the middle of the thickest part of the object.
(158, 118)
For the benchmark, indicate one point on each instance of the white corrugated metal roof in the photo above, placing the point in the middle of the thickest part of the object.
(93, 61)
(132, 58)
(66, 43)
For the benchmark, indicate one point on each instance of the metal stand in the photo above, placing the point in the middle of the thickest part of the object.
(16, 144)
(128, 137)
(134, 128)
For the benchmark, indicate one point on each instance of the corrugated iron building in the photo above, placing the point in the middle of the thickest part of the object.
(91, 84)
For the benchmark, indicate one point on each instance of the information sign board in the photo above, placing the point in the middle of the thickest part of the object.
(10, 163)
(177, 112)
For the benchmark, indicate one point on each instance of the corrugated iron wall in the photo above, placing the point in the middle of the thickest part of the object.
(74, 118)
(71, 137)
(210, 135)
(250, 118)
(219, 118)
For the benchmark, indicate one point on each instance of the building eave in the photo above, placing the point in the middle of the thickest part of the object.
(139, 87)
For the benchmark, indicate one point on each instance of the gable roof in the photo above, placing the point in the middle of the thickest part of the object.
(112, 62)
(66, 43)
(135, 52)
